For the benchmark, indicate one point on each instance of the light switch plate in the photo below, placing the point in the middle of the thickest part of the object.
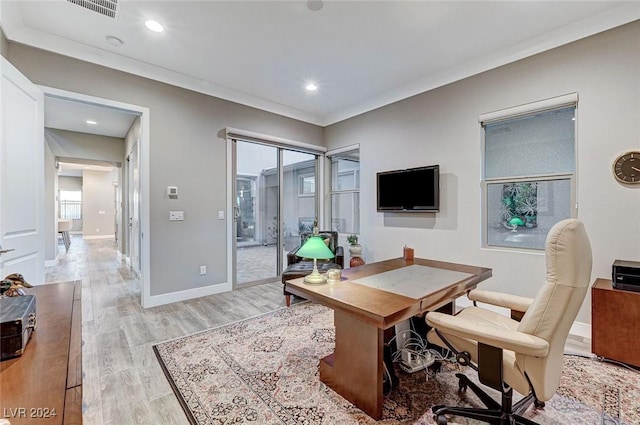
(220, 215)
(176, 215)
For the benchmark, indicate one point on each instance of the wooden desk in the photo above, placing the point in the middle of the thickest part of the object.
(362, 313)
(615, 314)
(47, 378)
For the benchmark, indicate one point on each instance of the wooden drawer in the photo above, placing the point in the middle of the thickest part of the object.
(615, 323)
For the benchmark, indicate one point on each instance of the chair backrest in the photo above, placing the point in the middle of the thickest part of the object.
(568, 257)
(331, 236)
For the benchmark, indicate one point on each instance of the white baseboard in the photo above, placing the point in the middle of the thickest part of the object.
(188, 294)
(51, 263)
(582, 330)
(98, 237)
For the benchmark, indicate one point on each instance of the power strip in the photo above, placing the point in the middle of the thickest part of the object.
(413, 362)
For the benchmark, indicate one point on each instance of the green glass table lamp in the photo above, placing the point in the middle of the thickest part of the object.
(315, 248)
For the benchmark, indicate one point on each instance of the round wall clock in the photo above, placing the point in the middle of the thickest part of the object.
(626, 168)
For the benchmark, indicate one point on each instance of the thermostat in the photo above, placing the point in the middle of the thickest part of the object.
(172, 192)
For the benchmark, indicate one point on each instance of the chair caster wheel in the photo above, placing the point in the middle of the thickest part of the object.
(538, 404)
(463, 358)
(440, 420)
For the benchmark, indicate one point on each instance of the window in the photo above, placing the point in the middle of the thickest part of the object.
(345, 191)
(307, 184)
(529, 174)
(70, 204)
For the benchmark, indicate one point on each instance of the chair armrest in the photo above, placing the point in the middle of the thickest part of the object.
(505, 339)
(339, 258)
(292, 257)
(513, 302)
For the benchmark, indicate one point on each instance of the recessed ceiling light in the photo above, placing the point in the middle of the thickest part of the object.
(114, 41)
(154, 26)
(91, 122)
(311, 87)
(314, 5)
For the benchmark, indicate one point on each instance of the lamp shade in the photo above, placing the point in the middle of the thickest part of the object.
(315, 247)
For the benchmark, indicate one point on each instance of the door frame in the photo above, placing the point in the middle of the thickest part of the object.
(145, 261)
(250, 136)
(133, 211)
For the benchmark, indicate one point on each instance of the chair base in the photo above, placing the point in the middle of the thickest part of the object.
(496, 413)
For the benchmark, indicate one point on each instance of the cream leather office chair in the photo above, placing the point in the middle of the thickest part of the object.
(525, 355)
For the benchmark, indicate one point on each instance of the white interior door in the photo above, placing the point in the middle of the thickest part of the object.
(21, 176)
(134, 209)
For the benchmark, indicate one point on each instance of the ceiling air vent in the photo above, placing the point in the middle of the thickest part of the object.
(103, 7)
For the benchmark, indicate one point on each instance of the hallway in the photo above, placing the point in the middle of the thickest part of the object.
(123, 381)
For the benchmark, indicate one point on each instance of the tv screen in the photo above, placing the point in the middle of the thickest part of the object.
(413, 189)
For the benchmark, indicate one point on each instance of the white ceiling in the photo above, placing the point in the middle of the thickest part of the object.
(361, 54)
(73, 116)
(68, 169)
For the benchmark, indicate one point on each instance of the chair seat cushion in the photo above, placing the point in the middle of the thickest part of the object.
(512, 375)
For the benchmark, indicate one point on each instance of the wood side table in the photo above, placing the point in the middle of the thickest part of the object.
(615, 315)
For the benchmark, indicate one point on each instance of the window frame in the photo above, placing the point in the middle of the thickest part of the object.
(355, 193)
(546, 105)
(301, 186)
(61, 201)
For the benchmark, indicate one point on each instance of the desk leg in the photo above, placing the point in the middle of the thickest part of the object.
(355, 368)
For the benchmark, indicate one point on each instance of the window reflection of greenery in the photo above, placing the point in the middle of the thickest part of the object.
(519, 205)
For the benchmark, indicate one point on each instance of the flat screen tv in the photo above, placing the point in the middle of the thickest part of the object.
(410, 190)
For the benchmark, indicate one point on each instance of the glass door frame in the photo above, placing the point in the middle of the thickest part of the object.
(232, 210)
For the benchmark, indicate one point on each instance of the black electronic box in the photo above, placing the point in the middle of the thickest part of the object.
(626, 275)
(17, 321)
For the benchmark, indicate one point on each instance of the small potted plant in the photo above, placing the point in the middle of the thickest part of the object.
(355, 249)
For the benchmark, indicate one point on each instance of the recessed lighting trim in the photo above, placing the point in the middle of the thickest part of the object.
(114, 41)
(154, 26)
(314, 5)
(311, 87)
(91, 122)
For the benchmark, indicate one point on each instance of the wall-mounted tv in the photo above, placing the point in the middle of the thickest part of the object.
(410, 190)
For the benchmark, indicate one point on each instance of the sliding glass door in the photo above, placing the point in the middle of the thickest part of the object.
(275, 198)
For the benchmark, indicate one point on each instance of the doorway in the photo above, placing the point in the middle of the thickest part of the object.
(140, 145)
(274, 201)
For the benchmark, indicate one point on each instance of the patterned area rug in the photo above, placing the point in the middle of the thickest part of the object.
(264, 370)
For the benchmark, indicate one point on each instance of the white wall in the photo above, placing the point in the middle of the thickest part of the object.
(441, 127)
(98, 213)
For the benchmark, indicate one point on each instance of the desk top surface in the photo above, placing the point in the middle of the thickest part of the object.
(33, 385)
(363, 293)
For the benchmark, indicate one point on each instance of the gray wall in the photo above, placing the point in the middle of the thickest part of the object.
(72, 144)
(98, 213)
(441, 127)
(4, 44)
(187, 149)
(50, 205)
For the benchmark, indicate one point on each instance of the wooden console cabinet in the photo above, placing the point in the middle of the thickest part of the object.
(44, 385)
(615, 323)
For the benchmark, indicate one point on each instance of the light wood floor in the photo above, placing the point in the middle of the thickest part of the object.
(123, 381)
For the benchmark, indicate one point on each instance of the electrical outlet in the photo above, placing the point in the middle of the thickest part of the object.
(203, 270)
